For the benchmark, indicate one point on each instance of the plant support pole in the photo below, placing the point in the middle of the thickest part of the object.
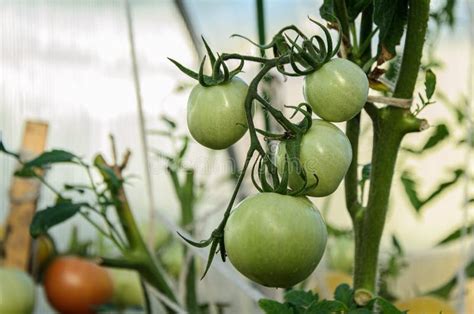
(141, 120)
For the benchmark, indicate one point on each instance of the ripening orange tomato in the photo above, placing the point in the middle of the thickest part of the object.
(75, 285)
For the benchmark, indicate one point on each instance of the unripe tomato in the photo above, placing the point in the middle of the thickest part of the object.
(325, 151)
(337, 91)
(128, 290)
(423, 305)
(75, 285)
(216, 114)
(17, 292)
(275, 240)
(172, 257)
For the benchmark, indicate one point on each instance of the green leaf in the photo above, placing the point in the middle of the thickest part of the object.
(112, 180)
(440, 133)
(387, 307)
(274, 307)
(4, 150)
(410, 186)
(300, 298)
(456, 234)
(344, 294)
(326, 307)
(397, 245)
(355, 7)
(25, 173)
(360, 311)
(170, 123)
(52, 216)
(51, 157)
(391, 17)
(327, 11)
(430, 83)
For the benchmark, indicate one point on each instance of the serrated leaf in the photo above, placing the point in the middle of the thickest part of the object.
(326, 307)
(274, 307)
(387, 307)
(360, 311)
(344, 294)
(45, 219)
(430, 83)
(391, 17)
(300, 298)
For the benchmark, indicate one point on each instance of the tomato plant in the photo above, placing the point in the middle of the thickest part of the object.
(216, 114)
(17, 292)
(337, 91)
(325, 154)
(263, 244)
(75, 285)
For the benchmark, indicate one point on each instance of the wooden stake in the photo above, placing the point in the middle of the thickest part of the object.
(24, 195)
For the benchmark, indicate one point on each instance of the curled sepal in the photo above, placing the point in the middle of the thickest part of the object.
(283, 186)
(202, 77)
(226, 73)
(331, 51)
(212, 58)
(185, 70)
(252, 174)
(238, 69)
(269, 135)
(267, 46)
(210, 258)
(266, 187)
(324, 53)
(200, 244)
(307, 121)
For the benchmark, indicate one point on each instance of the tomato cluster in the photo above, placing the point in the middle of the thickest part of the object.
(275, 239)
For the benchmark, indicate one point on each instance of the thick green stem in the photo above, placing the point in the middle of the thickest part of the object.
(352, 178)
(139, 254)
(390, 125)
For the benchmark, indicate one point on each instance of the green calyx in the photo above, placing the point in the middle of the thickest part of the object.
(220, 71)
(295, 55)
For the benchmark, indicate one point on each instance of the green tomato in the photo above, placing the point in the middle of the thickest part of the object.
(172, 257)
(275, 240)
(17, 292)
(128, 290)
(326, 152)
(216, 114)
(337, 91)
